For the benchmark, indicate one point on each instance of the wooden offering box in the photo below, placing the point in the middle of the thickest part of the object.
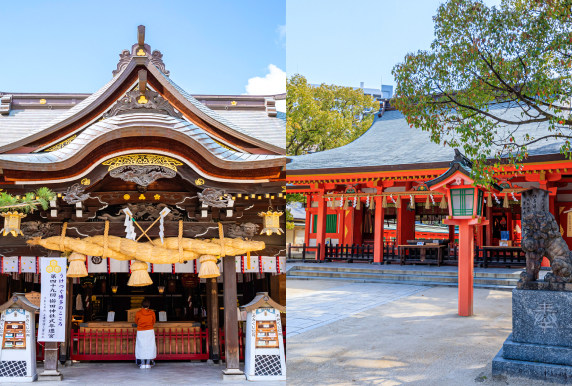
(14, 335)
(266, 334)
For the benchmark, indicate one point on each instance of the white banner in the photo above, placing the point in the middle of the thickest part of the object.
(52, 326)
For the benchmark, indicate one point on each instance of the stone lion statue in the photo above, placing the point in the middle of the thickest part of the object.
(541, 237)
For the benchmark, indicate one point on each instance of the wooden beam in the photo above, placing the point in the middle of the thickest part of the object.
(142, 81)
(141, 35)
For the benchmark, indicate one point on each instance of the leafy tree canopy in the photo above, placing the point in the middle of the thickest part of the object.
(324, 117)
(516, 56)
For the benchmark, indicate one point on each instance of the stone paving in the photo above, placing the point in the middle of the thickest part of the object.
(310, 310)
(127, 373)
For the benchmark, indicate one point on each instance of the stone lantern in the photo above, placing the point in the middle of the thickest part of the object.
(466, 203)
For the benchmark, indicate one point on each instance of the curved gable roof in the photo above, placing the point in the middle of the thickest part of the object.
(89, 104)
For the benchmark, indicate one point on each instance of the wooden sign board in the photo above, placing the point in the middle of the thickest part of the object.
(34, 297)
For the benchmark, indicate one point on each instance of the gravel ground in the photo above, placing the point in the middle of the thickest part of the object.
(415, 340)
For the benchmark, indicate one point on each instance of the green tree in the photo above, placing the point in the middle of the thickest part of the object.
(324, 117)
(517, 56)
(290, 199)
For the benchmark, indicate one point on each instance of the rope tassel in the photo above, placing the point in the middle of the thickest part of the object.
(490, 201)
(384, 202)
(443, 204)
(398, 202)
(505, 202)
(372, 206)
(427, 203)
(346, 204)
(358, 205)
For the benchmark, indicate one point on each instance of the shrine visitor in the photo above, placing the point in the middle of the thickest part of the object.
(145, 349)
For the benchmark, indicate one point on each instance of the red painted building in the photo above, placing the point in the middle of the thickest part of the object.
(374, 188)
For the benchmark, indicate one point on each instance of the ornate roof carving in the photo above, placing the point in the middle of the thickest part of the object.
(152, 103)
(156, 57)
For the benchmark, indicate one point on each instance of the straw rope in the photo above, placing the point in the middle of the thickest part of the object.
(221, 237)
(63, 237)
(105, 240)
(181, 255)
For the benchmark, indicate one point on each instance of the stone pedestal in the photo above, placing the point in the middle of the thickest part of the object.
(540, 346)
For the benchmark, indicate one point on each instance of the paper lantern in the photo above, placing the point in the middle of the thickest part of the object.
(12, 223)
(271, 222)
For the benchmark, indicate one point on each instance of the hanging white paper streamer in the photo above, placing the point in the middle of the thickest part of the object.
(163, 213)
(355, 202)
(432, 199)
(367, 202)
(129, 228)
(513, 197)
(496, 198)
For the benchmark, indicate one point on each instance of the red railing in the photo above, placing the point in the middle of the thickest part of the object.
(120, 345)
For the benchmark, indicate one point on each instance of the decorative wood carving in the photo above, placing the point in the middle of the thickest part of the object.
(244, 231)
(148, 212)
(212, 197)
(32, 229)
(74, 194)
(155, 103)
(142, 175)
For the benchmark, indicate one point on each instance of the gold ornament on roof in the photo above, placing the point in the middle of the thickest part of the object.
(42, 101)
(140, 52)
(142, 159)
(85, 181)
(271, 222)
(142, 197)
(233, 103)
(142, 100)
(199, 182)
(62, 144)
(126, 197)
(12, 223)
(157, 197)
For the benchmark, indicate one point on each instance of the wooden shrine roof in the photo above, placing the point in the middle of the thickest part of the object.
(391, 144)
(138, 125)
(252, 120)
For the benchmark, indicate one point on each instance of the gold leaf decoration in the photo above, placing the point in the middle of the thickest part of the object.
(142, 159)
(126, 197)
(157, 197)
(85, 181)
(42, 101)
(62, 144)
(199, 182)
(142, 196)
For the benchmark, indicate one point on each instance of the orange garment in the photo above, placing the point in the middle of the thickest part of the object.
(145, 319)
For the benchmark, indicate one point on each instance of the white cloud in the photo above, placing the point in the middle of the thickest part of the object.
(281, 30)
(273, 83)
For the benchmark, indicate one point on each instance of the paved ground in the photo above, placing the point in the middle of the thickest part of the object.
(413, 340)
(127, 373)
(308, 310)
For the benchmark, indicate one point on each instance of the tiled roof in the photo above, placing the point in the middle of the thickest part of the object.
(154, 123)
(269, 129)
(390, 141)
(268, 134)
(19, 124)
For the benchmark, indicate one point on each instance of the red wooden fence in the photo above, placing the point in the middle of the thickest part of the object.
(98, 345)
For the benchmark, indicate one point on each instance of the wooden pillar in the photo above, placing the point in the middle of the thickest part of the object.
(321, 226)
(405, 223)
(212, 319)
(451, 234)
(466, 259)
(358, 222)
(230, 318)
(378, 231)
(307, 230)
(480, 237)
(489, 229)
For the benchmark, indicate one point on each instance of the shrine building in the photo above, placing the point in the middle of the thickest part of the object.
(142, 144)
(368, 200)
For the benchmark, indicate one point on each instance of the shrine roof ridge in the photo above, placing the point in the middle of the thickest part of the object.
(391, 142)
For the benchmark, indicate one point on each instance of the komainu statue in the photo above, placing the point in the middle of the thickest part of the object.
(541, 238)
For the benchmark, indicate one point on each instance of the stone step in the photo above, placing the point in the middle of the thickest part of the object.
(403, 276)
(416, 272)
(422, 283)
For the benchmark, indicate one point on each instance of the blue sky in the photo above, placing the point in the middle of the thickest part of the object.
(210, 47)
(346, 42)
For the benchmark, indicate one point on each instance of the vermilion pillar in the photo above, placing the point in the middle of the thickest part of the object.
(321, 226)
(308, 219)
(405, 223)
(489, 229)
(451, 234)
(378, 231)
(466, 263)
